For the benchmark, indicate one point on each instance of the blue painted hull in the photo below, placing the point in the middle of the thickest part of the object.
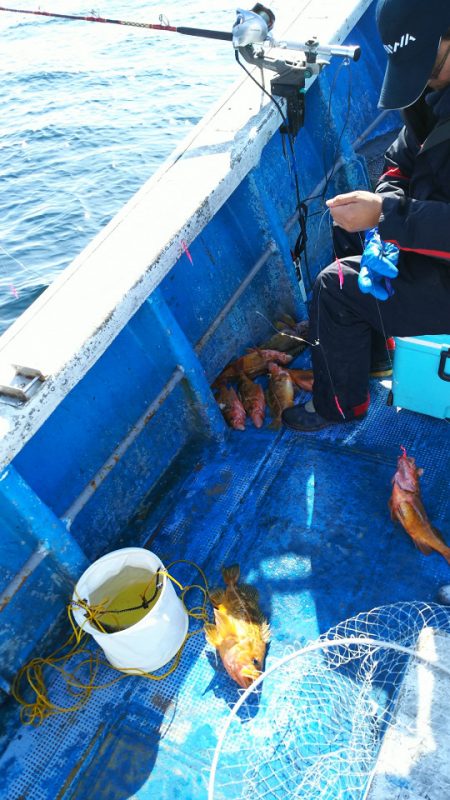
(137, 454)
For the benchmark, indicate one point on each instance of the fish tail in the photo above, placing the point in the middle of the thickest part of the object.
(216, 596)
(231, 574)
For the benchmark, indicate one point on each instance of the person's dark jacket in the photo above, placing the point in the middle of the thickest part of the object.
(416, 183)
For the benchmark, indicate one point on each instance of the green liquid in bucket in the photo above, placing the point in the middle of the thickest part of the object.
(127, 590)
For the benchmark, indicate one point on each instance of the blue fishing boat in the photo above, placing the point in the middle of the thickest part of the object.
(112, 438)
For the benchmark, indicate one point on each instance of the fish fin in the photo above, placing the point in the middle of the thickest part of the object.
(424, 548)
(437, 533)
(401, 512)
(249, 592)
(231, 574)
(213, 636)
(216, 597)
(265, 632)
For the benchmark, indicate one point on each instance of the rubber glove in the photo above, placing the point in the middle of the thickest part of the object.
(378, 266)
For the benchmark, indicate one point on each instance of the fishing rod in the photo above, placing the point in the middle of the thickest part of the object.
(208, 34)
(250, 28)
(251, 35)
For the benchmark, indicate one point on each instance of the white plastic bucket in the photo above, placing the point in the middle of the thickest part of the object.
(156, 638)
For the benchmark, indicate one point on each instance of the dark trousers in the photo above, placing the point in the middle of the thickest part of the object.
(351, 328)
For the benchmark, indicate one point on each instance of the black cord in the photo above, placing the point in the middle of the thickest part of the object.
(300, 245)
(302, 208)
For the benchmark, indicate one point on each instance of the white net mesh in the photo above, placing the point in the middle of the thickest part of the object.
(341, 717)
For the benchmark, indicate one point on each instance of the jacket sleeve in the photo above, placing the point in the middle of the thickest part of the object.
(398, 165)
(420, 226)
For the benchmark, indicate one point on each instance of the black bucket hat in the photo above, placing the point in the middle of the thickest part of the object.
(411, 31)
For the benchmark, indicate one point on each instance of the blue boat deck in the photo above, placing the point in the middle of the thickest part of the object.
(306, 517)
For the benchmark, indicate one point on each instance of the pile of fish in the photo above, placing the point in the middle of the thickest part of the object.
(239, 395)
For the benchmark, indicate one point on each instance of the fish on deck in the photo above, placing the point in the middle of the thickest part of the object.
(239, 632)
(303, 378)
(407, 508)
(253, 399)
(231, 407)
(280, 393)
(291, 336)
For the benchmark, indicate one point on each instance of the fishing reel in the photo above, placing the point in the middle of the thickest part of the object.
(293, 62)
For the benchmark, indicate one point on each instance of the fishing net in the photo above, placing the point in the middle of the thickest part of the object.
(347, 717)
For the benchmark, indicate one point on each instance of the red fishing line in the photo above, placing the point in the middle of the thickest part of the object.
(338, 406)
(340, 273)
(186, 251)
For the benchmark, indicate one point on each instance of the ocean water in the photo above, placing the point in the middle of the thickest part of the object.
(88, 112)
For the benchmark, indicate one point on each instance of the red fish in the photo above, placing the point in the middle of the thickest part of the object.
(253, 400)
(407, 508)
(231, 407)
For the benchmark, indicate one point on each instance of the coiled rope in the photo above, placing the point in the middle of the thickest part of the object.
(33, 677)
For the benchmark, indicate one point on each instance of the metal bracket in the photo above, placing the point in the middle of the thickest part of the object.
(23, 386)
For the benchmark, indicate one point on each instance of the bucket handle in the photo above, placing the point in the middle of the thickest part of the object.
(445, 376)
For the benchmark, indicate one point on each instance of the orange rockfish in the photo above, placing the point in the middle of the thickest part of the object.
(303, 378)
(406, 507)
(253, 399)
(231, 407)
(280, 393)
(240, 632)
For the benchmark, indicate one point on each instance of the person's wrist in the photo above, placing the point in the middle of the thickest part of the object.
(379, 203)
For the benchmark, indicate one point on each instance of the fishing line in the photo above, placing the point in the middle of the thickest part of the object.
(20, 263)
(345, 63)
(321, 195)
(383, 330)
(302, 209)
(323, 214)
(283, 333)
(325, 359)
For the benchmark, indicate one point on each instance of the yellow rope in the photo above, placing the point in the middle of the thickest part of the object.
(31, 675)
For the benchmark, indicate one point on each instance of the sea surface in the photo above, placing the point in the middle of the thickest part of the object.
(88, 112)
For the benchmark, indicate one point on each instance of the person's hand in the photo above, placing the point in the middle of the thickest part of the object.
(378, 266)
(356, 211)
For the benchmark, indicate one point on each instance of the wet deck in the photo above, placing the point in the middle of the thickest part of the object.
(306, 517)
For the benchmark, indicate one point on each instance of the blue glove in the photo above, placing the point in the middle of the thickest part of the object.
(378, 266)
